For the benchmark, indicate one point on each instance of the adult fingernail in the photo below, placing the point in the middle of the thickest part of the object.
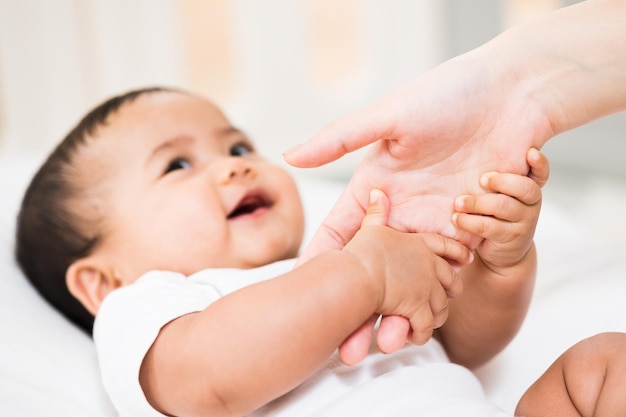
(293, 149)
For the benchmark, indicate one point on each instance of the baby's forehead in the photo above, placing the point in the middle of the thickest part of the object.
(165, 112)
(143, 106)
(165, 105)
(154, 118)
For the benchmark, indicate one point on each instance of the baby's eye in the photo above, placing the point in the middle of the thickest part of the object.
(241, 149)
(178, 163)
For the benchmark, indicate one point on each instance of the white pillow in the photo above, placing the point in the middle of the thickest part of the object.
(48, 366)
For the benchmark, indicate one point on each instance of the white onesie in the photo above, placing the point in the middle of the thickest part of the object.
(416, 381)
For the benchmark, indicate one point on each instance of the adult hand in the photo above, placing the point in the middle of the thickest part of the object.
(430, 141)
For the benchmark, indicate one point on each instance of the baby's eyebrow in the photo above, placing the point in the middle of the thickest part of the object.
(175, 142)
(183, 141)
(230, 131)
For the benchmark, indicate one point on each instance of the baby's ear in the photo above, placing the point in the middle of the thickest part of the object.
(89, 281)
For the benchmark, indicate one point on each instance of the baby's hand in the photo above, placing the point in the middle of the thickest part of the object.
(411, 273)
(506, 217)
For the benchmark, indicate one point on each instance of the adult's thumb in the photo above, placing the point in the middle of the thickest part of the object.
(336, 230)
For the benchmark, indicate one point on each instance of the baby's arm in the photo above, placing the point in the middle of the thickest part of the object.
(498, 285)
(589, 379)
(260, 342)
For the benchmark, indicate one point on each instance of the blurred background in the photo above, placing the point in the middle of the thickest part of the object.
(281, 69)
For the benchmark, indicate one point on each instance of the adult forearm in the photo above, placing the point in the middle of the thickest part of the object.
(571, 62)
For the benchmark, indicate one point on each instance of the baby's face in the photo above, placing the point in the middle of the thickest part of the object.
(184, 191)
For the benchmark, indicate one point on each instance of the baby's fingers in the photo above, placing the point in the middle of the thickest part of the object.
(422, 327)
(429, 317)
(499, 206)
(453, 254)
(522, 188)
(487, 227)
(395, 331)
(449, 249)
(378, 209)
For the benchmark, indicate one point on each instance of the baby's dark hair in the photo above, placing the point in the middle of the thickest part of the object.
(53, 229)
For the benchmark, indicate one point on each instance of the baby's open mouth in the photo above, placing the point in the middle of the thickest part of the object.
(249, 204)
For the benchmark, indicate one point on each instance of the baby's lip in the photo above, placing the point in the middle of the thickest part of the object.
(249, 203)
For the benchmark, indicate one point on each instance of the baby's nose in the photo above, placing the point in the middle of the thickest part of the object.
(235, 168)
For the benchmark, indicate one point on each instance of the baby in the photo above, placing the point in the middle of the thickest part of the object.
(157, 217)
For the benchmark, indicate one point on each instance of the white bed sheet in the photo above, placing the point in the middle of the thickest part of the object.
(48, 367)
